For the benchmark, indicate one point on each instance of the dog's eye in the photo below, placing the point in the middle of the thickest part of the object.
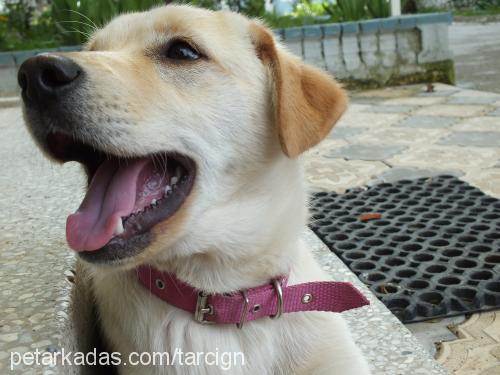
(180, 50)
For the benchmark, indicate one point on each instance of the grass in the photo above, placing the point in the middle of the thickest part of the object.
(430, 10)
(470, 12)
(36, 38)
(13, 42)
(277, 22)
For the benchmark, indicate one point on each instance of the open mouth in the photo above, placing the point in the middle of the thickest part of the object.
(125, 199)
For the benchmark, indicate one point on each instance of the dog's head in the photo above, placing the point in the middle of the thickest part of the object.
(187, 122)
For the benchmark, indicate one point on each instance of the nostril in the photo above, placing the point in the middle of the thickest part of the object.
(54, 76)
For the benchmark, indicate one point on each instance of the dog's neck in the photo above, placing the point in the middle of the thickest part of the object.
(269, 250)
(216, 275)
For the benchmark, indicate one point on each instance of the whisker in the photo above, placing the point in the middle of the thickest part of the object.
(79, 22)
(77, 31)
(164, 166)
(84, 16)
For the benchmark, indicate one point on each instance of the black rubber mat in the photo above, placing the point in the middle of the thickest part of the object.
(427, 248)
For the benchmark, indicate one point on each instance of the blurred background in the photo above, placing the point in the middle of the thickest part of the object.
(36, 24)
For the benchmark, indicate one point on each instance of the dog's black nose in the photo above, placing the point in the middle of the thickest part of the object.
(46, 78)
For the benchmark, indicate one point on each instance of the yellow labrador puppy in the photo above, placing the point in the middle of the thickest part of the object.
(189, 123)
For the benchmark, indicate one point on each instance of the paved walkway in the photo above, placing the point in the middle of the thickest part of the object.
(476, 49)
(405, 132)
(401, 132)
(386, 135)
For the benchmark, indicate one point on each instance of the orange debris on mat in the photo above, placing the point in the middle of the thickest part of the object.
(367, 216)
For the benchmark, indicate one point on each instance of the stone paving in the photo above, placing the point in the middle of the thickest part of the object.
(34, 292)
(411, 133)
(476, 53)
(386, 135)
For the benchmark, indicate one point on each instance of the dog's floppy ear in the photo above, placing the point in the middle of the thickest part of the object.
(307, 101)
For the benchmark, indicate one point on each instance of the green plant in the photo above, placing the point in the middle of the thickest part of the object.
(487, 4)
(346, 10)
(409, 6)
(468, 12)
(19, 15)
(252, 8)
(378, 8)
(208, 4)
(72, 21)
(355, 10)
(277, 21)
(26, 27)
(306, 8)
(76, 19)
(3, 31)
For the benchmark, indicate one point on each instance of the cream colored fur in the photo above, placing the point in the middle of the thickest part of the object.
(242, 224)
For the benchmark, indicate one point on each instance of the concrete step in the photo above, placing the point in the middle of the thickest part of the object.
(9, 101)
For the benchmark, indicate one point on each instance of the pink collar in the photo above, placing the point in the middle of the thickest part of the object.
(271, 299)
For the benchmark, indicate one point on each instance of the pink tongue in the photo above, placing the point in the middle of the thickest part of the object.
(111, 195)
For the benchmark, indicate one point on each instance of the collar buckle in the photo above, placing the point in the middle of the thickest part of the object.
(203, 308)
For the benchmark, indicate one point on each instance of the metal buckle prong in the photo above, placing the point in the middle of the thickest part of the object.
(244, 312)
(279, 293)
(203, 308)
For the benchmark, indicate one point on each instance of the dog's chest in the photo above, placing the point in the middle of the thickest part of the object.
(134, 320)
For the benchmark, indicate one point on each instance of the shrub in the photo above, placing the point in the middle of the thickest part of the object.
(378, 8)
(346, 10)
(308, 9)
(252, 8)
(487, 4)
(76, 19)
(72, 21)
(355, 10)
(26, 27)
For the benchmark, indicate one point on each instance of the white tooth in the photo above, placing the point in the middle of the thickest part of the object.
(174, 180)
(178, 172)
(119, 228)
(153, 201)
(168, 189)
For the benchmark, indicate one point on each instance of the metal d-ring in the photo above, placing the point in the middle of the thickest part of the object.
(279, 293)
(244, 312)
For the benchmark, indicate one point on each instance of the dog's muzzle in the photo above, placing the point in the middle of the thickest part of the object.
(45, 79)
(128, 194)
